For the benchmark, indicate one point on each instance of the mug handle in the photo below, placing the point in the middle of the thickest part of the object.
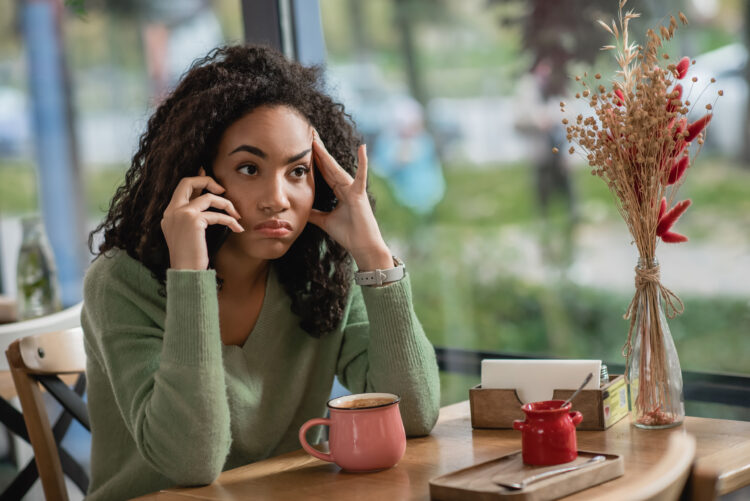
(519, 425)
(577, 417)
(310, 449)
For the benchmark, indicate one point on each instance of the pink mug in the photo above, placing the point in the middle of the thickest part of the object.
(366, 432)
(548, 435)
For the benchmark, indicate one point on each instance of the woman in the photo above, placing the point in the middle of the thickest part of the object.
(207, 351)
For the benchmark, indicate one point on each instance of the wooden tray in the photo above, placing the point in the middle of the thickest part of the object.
(475, 482)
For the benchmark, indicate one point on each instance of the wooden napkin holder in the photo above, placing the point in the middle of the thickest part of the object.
(498, 408)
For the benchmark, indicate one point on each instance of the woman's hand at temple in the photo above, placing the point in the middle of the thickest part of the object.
(186, 218)
(352, 223)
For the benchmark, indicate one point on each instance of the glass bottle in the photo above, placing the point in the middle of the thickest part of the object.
(36, 273)
(655, 376)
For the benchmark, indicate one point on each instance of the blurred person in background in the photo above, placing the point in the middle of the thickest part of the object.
(405, 155)
(174, 35)
(538, 117)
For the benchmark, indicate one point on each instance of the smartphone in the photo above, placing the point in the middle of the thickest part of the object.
(216, 234)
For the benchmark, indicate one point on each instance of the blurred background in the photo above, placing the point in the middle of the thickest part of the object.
(514, 249)
(511, 249)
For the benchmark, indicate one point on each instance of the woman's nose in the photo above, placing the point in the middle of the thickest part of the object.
(274, 197)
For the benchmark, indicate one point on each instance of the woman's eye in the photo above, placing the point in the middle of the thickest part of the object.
(249, 170)
(300, 171)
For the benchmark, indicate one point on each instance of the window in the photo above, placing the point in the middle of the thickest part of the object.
(513, 249)
(120, 59)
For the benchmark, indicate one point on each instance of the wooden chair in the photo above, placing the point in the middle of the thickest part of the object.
(35, 360)
(10, 417)
(65, 319)
(666, 480)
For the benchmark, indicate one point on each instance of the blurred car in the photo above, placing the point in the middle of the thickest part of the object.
(726, 134)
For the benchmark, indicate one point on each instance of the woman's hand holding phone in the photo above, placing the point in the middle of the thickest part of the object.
(352, 223)
(187, 216)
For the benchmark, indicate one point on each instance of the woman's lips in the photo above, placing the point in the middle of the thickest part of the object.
(273, 228)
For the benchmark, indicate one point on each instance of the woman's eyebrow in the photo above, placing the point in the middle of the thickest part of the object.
(298, 156)
(262, 154)
(250, 149)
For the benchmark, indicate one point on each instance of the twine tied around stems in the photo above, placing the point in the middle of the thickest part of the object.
(673, 304)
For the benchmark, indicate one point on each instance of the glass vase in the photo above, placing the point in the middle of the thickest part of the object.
(36, 273)
(655, 377)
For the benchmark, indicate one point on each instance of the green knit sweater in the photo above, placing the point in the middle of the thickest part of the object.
(171, 405)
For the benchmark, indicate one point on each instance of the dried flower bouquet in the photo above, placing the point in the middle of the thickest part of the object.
(637, 141)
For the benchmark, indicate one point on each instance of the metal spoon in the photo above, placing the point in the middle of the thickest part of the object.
(585, 382)
(547, 474)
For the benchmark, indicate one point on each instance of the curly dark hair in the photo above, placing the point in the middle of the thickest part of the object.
(184, 133)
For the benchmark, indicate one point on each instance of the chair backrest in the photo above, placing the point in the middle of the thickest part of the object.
(37, 360)
(664, 481)
(65, 319)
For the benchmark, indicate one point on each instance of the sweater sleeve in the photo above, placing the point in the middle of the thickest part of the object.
(384, 349)
(168, 384)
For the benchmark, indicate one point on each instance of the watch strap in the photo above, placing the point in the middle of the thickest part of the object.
(380, 277)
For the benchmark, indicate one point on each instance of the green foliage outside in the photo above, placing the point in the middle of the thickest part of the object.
(18, 190)
(460, 307)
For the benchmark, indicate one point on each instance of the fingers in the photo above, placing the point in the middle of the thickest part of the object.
(360, 179)
(332, 172)
(219, 218)
(207, 200)
(199, 191)
(189, 185)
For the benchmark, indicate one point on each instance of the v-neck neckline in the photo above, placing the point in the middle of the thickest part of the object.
(269, 290)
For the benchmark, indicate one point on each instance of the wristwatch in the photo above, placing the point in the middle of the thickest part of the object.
(380, 277)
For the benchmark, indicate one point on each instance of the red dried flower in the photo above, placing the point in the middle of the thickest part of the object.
(675, 102)
(682, 67)
(620, 97)
(671, 237)
(662, 208)
(696, 127)
(670, 217)
(678, 169)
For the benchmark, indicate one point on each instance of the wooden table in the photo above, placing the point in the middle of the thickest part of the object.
(723, 452)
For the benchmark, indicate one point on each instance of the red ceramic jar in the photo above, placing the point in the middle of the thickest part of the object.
(548, 436)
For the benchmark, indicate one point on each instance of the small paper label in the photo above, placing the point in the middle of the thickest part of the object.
(616, 404)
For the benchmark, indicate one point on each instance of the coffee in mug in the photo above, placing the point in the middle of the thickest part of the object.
(366, 432)
(361, 403)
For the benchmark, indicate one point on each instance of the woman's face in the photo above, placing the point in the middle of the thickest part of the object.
(264, 161)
